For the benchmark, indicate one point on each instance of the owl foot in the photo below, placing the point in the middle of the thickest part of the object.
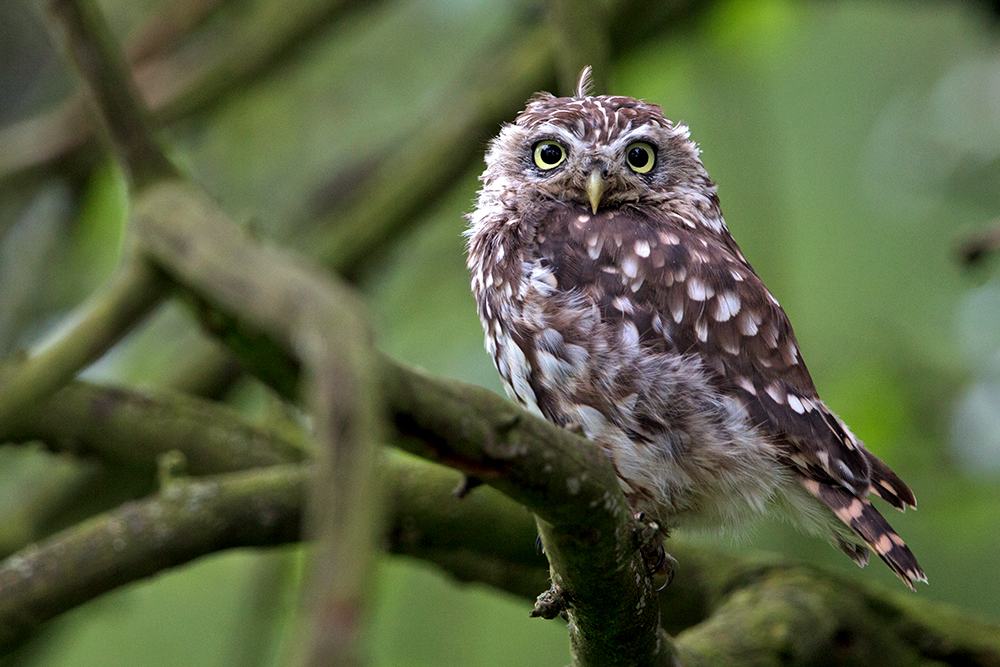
(551, 603)
(659, 564)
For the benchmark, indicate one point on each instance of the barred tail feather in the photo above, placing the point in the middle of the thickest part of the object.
(856, 552)
(872, 528)
(888, 486)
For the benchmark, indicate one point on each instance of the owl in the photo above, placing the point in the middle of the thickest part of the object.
(616, 303)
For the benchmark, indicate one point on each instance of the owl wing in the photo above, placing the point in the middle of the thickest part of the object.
(688, 289)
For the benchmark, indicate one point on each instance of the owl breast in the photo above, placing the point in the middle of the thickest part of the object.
(570, 324)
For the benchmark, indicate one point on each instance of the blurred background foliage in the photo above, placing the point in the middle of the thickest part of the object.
(856, 145)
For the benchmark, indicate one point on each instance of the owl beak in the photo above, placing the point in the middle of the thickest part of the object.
(595, 189)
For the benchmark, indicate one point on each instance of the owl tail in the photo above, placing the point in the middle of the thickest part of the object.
(872, 528)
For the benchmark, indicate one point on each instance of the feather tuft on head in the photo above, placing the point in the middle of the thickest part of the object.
(584, 83)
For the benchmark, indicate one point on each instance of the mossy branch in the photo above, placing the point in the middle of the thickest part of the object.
(104, 319)
(728, 609)
(190, 517)
(127, 427)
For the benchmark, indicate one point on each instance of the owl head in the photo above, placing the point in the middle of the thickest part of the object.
(602, 151)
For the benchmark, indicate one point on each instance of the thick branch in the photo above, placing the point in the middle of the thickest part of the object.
(315, 321)
(310, 316)
(133, 428)
(586, 523)
(187, 519)
(738, 611)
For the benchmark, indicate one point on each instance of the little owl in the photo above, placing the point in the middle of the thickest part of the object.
(616, 303)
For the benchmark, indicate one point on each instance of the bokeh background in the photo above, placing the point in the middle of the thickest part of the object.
(856, 146)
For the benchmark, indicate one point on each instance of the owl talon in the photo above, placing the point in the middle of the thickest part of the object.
(659, 564)
(551, 603)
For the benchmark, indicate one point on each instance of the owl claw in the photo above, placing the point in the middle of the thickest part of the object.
(551, 603)
(659, 564)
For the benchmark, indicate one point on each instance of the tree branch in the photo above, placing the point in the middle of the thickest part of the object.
(390, 200)
(81, 30)
(187, 519)
(105, 318)
(196, 73)
(569, 484)
(314, 319)
(737, 610)
(132, 428)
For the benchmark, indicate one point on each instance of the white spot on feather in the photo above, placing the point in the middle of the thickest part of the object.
(793, 354)
(698, 290)
(677, 311)
(701, 330)
(630, 266)
(622, 304)
(642, 248)
(746, 384)
(748, 323)
(553, 369)
(629, 335)
(795, 404)
(727, 305)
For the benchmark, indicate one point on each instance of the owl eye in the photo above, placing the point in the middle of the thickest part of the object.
(549, 154)
(641, 157)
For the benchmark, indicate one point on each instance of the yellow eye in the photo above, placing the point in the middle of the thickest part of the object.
(549, 154)
(641, 157)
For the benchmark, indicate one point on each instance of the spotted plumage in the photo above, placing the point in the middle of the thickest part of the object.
(616, 302)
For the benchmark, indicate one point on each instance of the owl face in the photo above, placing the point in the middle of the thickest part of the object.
(596, 151)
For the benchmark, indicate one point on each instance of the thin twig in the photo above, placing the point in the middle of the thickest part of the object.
(104, 319)
(90, 44)
(194, 75)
